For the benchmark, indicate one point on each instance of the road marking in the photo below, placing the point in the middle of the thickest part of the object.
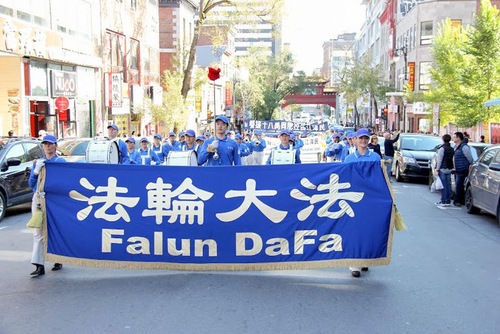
(3, 227)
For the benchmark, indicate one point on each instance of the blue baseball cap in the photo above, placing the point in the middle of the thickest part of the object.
(207, 133)
(172, 134)
(157, 136)
(190, 133)
(113, 126)
(350, 135)
(238, 136)
(182, 134)
(222, 118)
(131, 140)
(200, 138)
(144, 139)
(49, 139)
(363, 133)
(285, 132)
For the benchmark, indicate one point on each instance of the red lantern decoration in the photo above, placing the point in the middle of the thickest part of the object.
(213, 73)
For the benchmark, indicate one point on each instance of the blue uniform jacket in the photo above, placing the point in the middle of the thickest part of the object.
(122, 147)
(262, 145)
(32, 181)
(134, 157)
(147, 156)
(161, 151)
(227, 151)
(356, 156)
(244, 150)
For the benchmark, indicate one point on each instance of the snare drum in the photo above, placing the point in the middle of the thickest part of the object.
(182, 158)
(103, 152)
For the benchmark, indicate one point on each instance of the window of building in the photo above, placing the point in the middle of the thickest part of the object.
(31, 11)
(424, 75)
(426, 32)
(38, 79)
(133, 4)
(134, 61)
(73, 18)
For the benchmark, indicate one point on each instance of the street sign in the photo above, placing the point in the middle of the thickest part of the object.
(62, 103)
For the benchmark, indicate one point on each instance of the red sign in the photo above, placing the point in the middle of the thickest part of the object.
(62, 103)
(411, 78)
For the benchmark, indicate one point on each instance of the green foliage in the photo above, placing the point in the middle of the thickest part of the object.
(174, 111)
(270, 80)
(467, 69)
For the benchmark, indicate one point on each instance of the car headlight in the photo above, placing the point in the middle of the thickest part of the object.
(408, 160)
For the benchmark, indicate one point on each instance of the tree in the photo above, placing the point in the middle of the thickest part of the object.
(271, 79)
(269, 10)
(467, 69)
(363, 79)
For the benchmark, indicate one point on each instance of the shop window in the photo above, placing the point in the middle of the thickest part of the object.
(426, 32)
(38, 79)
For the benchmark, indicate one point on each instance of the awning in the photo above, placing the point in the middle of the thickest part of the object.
(493, 102)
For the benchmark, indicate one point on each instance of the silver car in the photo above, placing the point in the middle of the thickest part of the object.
(483, 184)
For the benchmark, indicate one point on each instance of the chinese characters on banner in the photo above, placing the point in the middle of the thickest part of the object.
(286, 217)
(113, 90)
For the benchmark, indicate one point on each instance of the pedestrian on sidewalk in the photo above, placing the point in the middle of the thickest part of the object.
(444, 166)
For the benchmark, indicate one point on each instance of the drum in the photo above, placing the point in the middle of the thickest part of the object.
(282, 157)
(103, 152)
(182, 158)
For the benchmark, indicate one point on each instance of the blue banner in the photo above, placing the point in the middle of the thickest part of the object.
(277, 126)
(218, 218)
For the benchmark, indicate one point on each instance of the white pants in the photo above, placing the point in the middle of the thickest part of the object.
(37, 255)
(330, 159)
(257, 158)
(249, 159)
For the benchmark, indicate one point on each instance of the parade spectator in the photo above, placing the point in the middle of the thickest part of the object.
(220, 150)
(41, 134)
(389, 151)
(11, 134)
(374, 145)
(49, 146)
(444, 166)
(482, 139)
(462, 162)
(362, 153)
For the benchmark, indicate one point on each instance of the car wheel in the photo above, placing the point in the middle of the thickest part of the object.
(399, 178)
(3, 206)
(469, 204)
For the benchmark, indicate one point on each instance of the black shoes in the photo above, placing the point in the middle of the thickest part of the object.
(39, 271)
(355, 273)
(57, 266)
(364, 269)
(457, 204)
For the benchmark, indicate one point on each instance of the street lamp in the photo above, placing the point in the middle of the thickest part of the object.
(397, 53)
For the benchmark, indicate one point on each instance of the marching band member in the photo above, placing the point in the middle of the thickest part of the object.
(248, 142)
(200, 140)
(259, 145)
(299, 143)
(244, 151)
(220, 150)
(334, 149)
(285, 152)
(133, 155)
(122, 148)
(175, 145)
(189, 142)
(148, 156)
(160, 149)
(182, 137)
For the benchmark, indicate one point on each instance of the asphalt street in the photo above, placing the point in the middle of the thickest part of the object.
(444, 278)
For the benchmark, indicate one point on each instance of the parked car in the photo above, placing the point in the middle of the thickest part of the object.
(413, 154)
(483, 184)
(73, 150)
(476, 150)
(16, 161)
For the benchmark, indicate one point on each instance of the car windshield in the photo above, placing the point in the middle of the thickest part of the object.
(420, 143)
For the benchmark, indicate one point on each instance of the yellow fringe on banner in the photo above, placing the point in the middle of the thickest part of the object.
(396, 216)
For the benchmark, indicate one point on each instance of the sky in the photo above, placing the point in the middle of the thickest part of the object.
(307, 24)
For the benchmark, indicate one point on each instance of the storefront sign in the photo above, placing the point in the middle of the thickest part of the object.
(63, 84)
(113, 91)
(411, 76)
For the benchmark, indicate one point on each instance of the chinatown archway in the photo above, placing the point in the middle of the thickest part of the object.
(316, 92)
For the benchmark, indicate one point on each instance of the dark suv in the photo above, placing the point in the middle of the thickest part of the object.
(413, 155)
(16, 160)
